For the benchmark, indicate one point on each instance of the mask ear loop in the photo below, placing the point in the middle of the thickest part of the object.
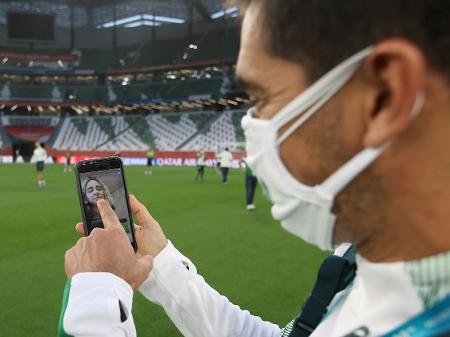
(338, 77)
(306, 115)
(346, 173)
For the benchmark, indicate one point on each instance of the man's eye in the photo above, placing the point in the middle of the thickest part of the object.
(98, 188)
(90, 189)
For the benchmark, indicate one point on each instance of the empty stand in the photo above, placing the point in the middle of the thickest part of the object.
(225, 131)
(170, 133)
(164, 132)
(97, 133)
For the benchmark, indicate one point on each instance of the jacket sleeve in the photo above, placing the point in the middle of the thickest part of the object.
(96, 305)
(194, 307)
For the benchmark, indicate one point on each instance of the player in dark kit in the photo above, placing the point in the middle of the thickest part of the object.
(67, 165)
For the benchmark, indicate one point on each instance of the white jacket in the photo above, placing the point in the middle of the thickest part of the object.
(39, 154)
(226, 159)
(382, 297)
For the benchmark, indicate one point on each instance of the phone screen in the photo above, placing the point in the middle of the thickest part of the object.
(97, 181)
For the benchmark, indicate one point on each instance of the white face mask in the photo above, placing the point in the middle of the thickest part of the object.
(303, 210)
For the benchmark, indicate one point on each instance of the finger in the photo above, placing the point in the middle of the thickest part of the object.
(68, 263)
(140, 212)
(109, 217)
(79, 227)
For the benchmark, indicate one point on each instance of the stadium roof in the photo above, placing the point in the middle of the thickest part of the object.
(125, 13)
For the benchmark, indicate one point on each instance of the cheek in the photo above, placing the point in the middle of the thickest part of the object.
(315, 150)
(297, 156)
(352, 128)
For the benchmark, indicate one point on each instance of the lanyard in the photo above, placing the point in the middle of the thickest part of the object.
(335, 274)
(435, 321)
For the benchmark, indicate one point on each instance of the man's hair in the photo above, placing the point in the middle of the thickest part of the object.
(322, 33)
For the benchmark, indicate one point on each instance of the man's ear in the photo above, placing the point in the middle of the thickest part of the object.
(398, 69)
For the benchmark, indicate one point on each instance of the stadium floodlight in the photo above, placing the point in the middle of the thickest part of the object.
(229, 11)
(165, 19)
(74, 108)
(141, 20)
(122, 21)
(142, 23)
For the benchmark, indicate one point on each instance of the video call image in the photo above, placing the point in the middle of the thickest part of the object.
(106, 185)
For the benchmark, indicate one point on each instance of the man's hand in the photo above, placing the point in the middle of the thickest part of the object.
(149, 235)
(108, 250)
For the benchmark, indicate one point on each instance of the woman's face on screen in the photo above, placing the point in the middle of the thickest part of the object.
(94, 191)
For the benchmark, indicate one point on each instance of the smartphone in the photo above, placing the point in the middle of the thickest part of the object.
(104, 179)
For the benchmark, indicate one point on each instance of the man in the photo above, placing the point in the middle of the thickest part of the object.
(200, 163)
(225, 158)
(350, 136)
(251, 182)
(68, 164)
(39, 157)
(150, 156)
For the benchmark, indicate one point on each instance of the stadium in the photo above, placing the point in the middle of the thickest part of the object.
(123, 81)
(96, 78)
(224, 168)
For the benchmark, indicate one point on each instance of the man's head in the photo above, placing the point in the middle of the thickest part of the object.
(286, 45)
(320, 34)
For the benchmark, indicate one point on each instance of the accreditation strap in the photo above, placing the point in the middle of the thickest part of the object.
(433, 322)
(335, 274)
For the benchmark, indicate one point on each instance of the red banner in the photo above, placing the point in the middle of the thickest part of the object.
(6, 151)
(29, 133)
(162, 158)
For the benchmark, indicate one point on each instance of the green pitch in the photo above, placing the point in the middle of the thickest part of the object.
(245, 255)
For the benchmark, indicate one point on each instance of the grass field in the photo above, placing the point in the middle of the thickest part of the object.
(245, 255)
